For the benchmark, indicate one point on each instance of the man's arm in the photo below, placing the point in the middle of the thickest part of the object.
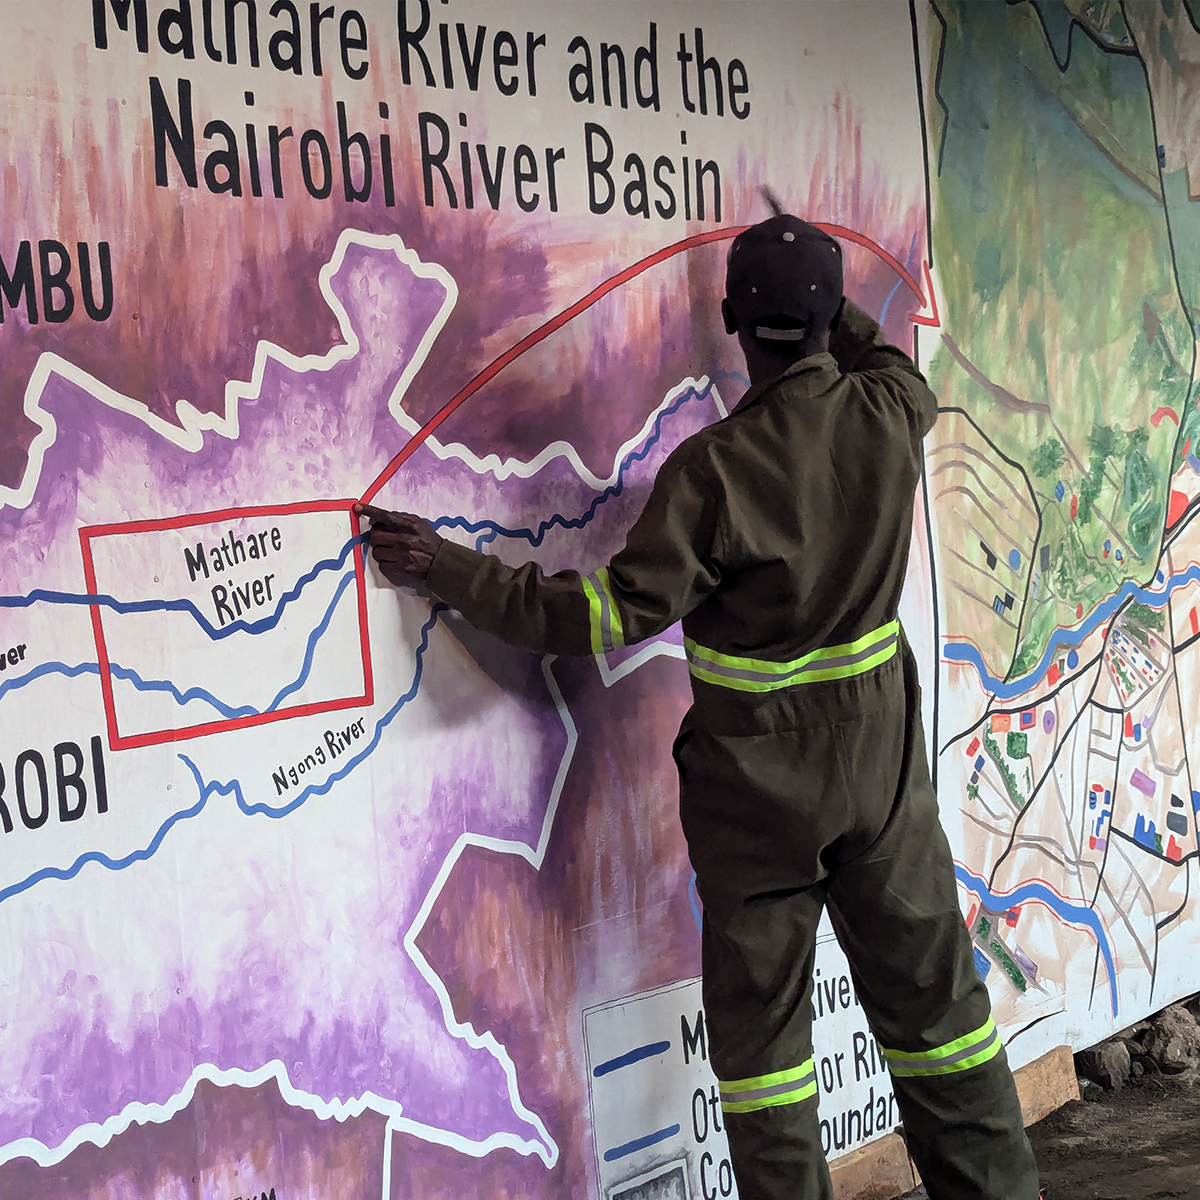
(859, 346)
(665, 569)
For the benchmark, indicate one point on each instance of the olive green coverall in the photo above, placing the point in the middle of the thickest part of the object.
(780, 537)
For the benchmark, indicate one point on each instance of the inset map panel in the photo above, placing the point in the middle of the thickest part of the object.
(210, 622)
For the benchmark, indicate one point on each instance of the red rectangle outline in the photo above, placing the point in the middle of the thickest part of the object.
(116, 740)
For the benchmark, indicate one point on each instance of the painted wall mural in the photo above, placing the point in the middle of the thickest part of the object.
(308, 889)
(1063, 486)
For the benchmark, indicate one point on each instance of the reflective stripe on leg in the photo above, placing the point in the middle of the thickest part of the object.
(971, 1050)
(769, 1091)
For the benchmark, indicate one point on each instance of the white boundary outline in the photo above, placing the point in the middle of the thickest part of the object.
(524, 469)
(193, 424)
(138, 1113)
(656, 649)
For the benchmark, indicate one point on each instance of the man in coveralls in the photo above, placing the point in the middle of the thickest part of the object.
(780, 537)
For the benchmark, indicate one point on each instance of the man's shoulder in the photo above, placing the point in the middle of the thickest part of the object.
(704, 449)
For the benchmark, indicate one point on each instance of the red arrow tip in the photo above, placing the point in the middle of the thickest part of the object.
(923, 318)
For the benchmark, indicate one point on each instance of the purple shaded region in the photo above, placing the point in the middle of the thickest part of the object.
(607, 916)
(272, 999)
(139, 350)
(632, 342)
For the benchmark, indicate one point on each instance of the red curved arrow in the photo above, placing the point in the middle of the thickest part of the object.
(622, 277)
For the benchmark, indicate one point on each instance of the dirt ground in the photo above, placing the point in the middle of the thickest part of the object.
(1140, 1143)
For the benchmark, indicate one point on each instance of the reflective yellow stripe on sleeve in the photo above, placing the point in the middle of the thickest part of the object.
(762, 675)
(604, 619)
(971, 1050)
(769, 1091)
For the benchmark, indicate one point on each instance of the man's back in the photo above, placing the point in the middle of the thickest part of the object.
(792, 517)
(816, 474)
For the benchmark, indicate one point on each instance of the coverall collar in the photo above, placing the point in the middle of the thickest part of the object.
(814, 375)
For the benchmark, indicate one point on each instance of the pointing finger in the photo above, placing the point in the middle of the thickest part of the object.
(371, 512)
(391, 536)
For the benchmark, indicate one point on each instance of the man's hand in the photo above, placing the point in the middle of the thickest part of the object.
(401, 543)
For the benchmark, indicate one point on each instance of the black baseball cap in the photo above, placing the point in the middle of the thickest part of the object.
(784, 279)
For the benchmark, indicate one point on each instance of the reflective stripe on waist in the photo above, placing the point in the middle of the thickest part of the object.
(761, 675)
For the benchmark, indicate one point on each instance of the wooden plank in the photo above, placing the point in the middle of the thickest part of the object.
(1046, 1083)
(880, 1170)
